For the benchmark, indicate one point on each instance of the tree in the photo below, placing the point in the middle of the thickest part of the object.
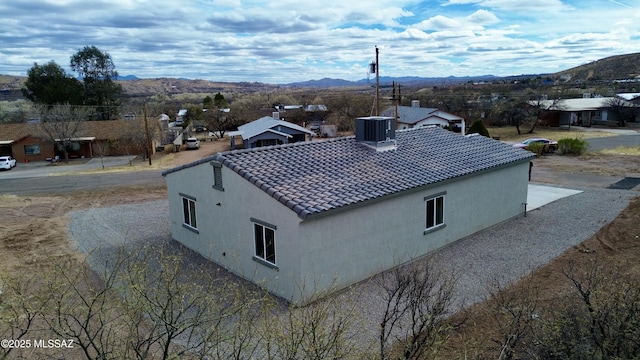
(515, 313)
(219, 101)
(207, 102)
(602, 317)
(514, 112)
(49, 84)
(418, 302)
(477, 127)
(60, 124)
(539, 106)
(622, 110)
(98, 73)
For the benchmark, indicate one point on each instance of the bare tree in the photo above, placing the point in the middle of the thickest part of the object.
(622, 110)
(60, 124)
(515, 311)
(82, 308)
(539, 107)
(609, 300)
(418, 302)
(21, 307)
(322, 329)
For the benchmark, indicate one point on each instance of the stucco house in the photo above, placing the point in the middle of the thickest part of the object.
(269, 131)
(415, 116)
(313, 217)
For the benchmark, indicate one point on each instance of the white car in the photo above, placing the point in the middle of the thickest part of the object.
(193, 143)
(7, 162)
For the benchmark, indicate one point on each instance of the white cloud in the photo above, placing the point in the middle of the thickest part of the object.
(287, 40)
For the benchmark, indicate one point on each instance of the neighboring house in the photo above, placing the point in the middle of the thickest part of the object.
(269, 131)
(26, 142)
(313, 217)
(181, 117)
(585, 111)
(415, 116)
(631, 97)
(315, 116)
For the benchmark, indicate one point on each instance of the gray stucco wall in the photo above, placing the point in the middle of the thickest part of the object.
(348, 247)
(225, 231)
(337, 250)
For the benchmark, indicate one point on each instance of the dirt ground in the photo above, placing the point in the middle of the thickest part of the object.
(33, 229)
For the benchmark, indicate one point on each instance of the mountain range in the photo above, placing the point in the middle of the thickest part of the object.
(620, 67)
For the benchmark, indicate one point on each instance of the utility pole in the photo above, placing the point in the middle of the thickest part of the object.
(146, 131)
(377, 83)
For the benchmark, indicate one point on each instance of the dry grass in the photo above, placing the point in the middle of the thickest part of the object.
(509, 133)
(621, 150)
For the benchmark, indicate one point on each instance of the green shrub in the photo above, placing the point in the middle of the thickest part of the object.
(575, 146)
(477, 127)
(536, 148)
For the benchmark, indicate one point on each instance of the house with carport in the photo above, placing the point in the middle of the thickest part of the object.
(309, 218)
(408, 117)
(585, 111)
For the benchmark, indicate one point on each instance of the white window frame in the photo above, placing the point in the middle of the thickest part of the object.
(434, 212)
(189, 212)
(264, 252)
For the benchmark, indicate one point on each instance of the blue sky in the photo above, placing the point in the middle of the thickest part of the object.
(282, 41)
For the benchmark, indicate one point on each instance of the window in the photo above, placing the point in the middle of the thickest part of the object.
(434, 212)
(265, 241)
(217, 175)
(189, 212)
(32, 149)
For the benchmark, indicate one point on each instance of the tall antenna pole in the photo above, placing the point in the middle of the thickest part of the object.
(377, 83)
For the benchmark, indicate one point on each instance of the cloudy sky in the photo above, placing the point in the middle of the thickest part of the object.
(282, 41)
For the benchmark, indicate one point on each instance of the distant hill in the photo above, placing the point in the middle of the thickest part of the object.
(619, 67)
(128, 77)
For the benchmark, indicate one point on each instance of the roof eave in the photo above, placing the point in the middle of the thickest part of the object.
(317, 215)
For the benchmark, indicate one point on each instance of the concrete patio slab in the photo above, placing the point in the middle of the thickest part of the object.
(540, 195)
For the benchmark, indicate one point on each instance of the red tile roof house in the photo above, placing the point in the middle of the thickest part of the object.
(314, 217)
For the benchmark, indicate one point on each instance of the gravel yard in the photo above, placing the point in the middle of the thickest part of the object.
(505, 252)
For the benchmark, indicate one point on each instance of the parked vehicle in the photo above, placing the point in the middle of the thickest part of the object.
(200, 128)
(7, 162)
(549, 145)
(193, 143)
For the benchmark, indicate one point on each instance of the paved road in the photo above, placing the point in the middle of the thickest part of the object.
(64, 184)
(612, 142)
(41, 178)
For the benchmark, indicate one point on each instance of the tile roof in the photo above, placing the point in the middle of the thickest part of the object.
(314, 177)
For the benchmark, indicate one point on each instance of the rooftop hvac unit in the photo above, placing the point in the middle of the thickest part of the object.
(376, 129)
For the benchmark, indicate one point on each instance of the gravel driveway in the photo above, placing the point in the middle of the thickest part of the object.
(506, 251)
